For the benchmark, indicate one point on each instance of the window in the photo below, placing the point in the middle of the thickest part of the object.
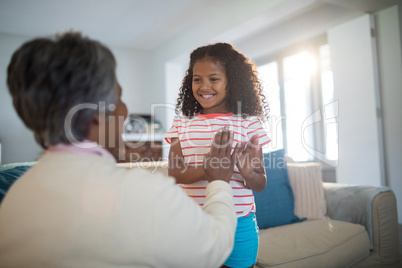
(268, 74)
(299, 87)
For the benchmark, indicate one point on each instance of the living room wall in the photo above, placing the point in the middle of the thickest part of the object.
(389, 38)
(18, 143)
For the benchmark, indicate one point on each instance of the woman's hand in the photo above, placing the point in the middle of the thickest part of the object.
(219, 162)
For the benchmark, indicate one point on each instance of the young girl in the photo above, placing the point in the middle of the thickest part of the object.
(221, 89)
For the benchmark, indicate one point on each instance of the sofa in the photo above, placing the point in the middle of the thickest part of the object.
(359, 227)
(340, 240)
(356, 226)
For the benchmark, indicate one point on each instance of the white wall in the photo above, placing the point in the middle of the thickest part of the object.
(18, 143)
(389, 52)
(355, 87)
(299, 28)
(133, 74)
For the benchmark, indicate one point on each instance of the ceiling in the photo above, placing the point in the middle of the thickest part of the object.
(147, 24)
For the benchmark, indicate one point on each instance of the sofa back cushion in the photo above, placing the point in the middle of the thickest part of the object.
(306, 182)
(275, 204)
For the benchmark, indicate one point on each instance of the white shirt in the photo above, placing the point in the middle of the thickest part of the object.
(75, 210)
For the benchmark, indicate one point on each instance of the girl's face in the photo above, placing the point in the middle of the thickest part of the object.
(209, 86)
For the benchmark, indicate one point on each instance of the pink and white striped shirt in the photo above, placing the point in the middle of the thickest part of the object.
(195, 136)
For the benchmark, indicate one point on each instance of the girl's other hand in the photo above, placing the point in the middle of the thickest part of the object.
(248, 156)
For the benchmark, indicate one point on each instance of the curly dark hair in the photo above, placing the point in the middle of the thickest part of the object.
(244, 91)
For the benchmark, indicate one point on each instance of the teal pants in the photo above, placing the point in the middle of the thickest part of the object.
(245, 248)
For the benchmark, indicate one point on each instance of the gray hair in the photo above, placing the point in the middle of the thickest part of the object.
(48, 77)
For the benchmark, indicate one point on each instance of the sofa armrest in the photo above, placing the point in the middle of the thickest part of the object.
(372, 207)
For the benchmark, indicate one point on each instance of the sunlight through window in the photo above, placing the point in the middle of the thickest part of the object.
(297, 71)
(327, 86)
(300, 91)
(268, 74)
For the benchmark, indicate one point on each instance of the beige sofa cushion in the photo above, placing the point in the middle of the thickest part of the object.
(313, 243)
(306, 182)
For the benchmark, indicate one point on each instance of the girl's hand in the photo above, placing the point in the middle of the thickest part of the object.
(219, 163)
(249, 157)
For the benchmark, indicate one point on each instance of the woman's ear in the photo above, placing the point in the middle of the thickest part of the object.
(96, 119)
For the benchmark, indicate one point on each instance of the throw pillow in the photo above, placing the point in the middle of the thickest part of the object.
(306, 181)
(8, 175)
(275, 204)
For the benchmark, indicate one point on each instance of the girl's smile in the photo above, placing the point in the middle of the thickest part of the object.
(208, 96)
(209, 86)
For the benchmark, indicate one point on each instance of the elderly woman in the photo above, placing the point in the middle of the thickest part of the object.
(75, 207)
